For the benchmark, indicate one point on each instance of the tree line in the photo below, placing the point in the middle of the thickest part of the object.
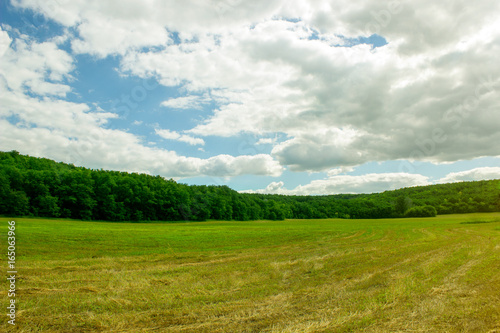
(41, 187)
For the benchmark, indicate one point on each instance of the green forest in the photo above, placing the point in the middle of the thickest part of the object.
(40, 187)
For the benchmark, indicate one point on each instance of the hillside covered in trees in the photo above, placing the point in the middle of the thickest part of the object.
(32, 186)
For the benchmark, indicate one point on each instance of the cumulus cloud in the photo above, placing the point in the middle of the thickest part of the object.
(266, 141)
(319, 150)
(274, 187)
(186, 102)
(118, 150)
(387, 103)
(341, 170)
(39, 122)
(483, 173)
(337, 184)
(172, 135)
(432, 93)
(5, 41)
(108, 28)
(39, 68)
(226, 165)
(105, 27)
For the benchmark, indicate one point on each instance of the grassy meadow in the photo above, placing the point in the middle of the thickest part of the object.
(391, 275)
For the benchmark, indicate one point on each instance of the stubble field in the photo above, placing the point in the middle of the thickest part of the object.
(394, 275)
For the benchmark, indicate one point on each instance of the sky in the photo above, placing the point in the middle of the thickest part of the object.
(269, 96)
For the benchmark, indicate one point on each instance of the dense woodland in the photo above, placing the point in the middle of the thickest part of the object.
(32, 186)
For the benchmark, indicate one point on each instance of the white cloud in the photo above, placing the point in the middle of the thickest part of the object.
(368, 183)
(432, 93)
(39, 68)
(187, 102)
(338, 171)
(118, 150)
(107, 27)
(5, 41)
(483, 173)
(226, 165)
(373, 182)
(266, 141)
(101, 36)
(49, 126)
(386, 103)
(172, 135)
(274, 187)
(320, 150)
(167, 134)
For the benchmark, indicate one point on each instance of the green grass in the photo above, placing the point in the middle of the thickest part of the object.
(393, 275)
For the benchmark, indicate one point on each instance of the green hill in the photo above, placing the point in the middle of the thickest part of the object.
(41, 187)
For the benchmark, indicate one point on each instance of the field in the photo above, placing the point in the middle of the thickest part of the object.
(394, 275)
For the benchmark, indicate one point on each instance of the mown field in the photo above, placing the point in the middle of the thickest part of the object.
(395, 275)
